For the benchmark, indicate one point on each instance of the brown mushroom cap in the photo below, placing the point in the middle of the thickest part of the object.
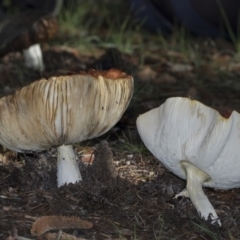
(64, 109)
(24, 29)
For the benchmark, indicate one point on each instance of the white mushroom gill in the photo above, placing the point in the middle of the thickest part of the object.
(64, 110)
(196, 143)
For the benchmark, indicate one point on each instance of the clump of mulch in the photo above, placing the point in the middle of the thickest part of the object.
(132, 200)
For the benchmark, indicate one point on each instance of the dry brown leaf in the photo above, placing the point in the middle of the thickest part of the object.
(221, 59)
(165, 78)
(48, 223)
(87, 158)
(234, 67)
(146, 73)
(180, 67)
(176, 54)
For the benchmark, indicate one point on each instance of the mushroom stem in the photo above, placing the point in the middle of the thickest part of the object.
(67, 167)
(195, 179)
(33, 57)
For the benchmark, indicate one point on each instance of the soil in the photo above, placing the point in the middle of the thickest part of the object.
(135, 199)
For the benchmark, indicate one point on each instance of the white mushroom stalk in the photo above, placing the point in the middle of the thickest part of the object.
(24, 31)
(33, 57)
(64, 110)
(197, 144)
(195, 179)
(66, 161)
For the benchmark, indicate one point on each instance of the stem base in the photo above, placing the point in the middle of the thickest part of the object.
(67, 167)
(195, 179)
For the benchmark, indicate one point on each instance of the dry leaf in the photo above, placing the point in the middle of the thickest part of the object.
(146, 73)
(88, 158)
(165, 78)
(48, 223)
(180, 67)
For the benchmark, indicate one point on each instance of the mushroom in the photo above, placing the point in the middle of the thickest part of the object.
(64, 110)
(24, 31)
(197, 144)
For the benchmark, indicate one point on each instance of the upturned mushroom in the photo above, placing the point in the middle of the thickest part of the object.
(64, 110)
(197, 144)
(24, 31)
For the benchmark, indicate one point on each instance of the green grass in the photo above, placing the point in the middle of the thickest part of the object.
(160, 228)
(107, 24)
(88, 27)
(201, 229)
(234, 37)
(129, 143)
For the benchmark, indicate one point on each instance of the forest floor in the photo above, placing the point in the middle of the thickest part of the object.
(137, 200)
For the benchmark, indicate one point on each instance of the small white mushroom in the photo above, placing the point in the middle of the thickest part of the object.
(64, 110)
(24, 31)
(197, 144)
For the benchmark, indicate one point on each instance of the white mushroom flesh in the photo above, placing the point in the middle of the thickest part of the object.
(182, 129)
(66, 160)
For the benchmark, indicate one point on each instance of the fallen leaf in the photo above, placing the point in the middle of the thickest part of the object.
(87, 158)
(175, 54)
(234, 67)
(165, 78)
(180, 67)
(146, 73)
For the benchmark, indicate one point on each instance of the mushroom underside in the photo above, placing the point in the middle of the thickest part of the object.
(195, 178)
(67, 167)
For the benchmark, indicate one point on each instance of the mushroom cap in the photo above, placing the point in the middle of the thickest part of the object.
(24, 29)
(64, 109)
(182, 129)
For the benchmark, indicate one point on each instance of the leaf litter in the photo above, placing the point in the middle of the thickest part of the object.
(135, 199)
